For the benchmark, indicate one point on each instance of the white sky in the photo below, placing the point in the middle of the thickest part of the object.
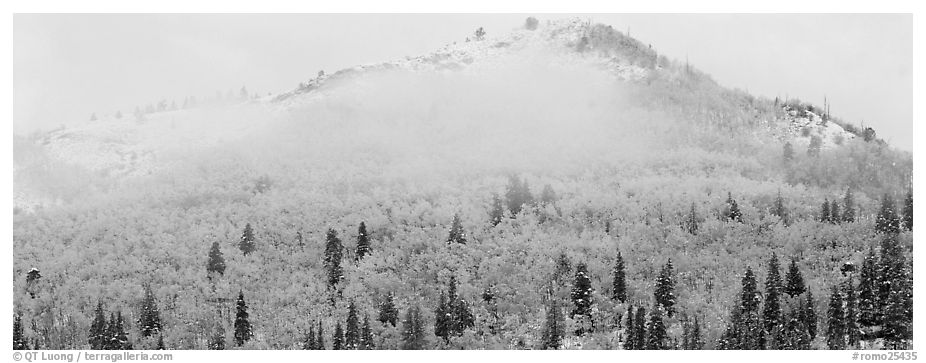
(68, 66)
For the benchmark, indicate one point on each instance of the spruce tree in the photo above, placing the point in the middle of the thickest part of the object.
(639, 334)
(908, 211)
(413, 330)
(779, 208)
(733, 209)
(320, 334)
(656, 330)
(582, 297)
(337, 341)
(97, 335)
(352, 334)
(457, 235)
(160, 342)
(834, 213)
(848, 202)
(122, 337)
(366, 335)
(547, 195)
(387, 311)
(695, 341)
(246, 244)
(887, 221)
(242, 326)
(797, 337)
(771, 311)
(691, 223)
(216, 264)
(333, 254)
(810, 316)
(825, 211)
(363, 242)
(514, 195)
(498, 210)
(795, 280)
(890, 268)
(868, 307)
(443, 319)
(853, 331)
(150, 318)
(310, 340)
(753, 332)
(665, 288)
(552, 336)
(111, 333)
(836, 323)
(619, 285)
(630, 331)
(19, 336)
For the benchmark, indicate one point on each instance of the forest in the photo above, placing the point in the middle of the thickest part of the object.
(510, 209)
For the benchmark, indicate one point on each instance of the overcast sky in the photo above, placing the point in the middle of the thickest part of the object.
(69, 66)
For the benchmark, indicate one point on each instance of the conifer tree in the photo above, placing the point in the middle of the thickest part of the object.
(810, 316)
(19, 336)
(639, 334)
(582, 296)
(695, 341)
(771, 311)
(890, 268)
(366, 335)
(97, 335)
(337, 341)
(457, 235)
(753, 333)
(547, 196)
(333, 254)
(242, 325)
(795, 280)
(691, 224)
(387, 311)
(908, 211)
(122, 339)
(868, 306)
(825, 211)
(834, 213)
(630, 330)
(413, 330)
(797, 337)
(898, 314)
(352, 334)
(160, 342)
(656, 330)
(514, 195)
(779, 208)
(853, 331)
(552, 336)
(848, 202)
(320, 334)
(216, 264)
(310, 340)
(619, 285)
(887, 221)
(498, 210)
(443, 320)
(111, 333)
(836, 323)
(733, 209)
(246, 244)
(363, 242)
(150, 317)
(665, 288)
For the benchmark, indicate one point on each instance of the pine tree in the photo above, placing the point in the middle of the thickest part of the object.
(868, 307)
(337, 341)
(122, 338)
(887, 222)
(150, 317)
(97, 335)
(771, 311)
(366, 335)
(733, 209)
(363, 242)
(443, 319)
(656, 330)
(216, 264)
(744, 330)
(246, 244)
(825, 211)
(582, 296)
(413, 330)
(779, 208)
(795, 280)
(639, 334)
(387, 311)
(691, 224)
(797, 337)
(160, 342)
(908, 211)
(333, 254)
(457, 235)
(665, 288)
(242, 326)
(310, 340)
(619, 285)
(848, 202)
(890, 268)
(352, 334)
(552, 336)
(320, 334)
(810, 316)
(630, 331)
(19, 336)
(111, 333)
(498, 210)
(853, 331)
(834, 213)
(836, 323)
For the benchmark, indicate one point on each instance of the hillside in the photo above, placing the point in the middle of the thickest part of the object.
(550, 147)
